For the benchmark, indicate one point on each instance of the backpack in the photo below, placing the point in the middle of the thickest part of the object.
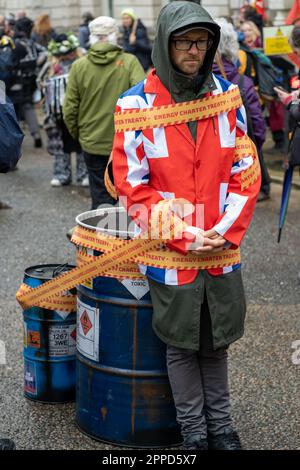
(28, 63)
(6, 64)
(250, 131)
(267, 76)
(11, 137)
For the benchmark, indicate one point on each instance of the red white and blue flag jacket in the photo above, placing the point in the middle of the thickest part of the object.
(164, 163)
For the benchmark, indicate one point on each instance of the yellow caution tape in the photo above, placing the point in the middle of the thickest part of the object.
(64, 303)
(244, 147)
(172, 114)
(157, 258)
(118, 253)
(125, 271)
(252, 173)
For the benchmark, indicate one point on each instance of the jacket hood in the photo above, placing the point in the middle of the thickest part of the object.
(173, 16)
(103, 53)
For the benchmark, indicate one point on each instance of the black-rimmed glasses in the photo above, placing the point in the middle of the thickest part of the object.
(186, 44)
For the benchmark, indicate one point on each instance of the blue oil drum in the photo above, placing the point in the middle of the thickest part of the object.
(49, 345)
(123, 395)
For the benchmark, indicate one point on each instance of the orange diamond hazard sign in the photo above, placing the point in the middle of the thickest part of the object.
(85, 322)
(73, 334)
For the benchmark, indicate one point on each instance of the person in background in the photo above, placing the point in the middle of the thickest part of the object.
(21, 14)
(249, 13)
(253, 40)
(64, 51)
(28, 56)
(2, 25)
(227, 67)
(10, 22)
(95, 83)
(249, 40)
(7, 52)
(291, 101)
(43, 31)
(84, 32)
(135, 38)
(252, 35)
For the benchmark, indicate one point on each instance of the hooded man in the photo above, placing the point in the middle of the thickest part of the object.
(208, 160)
(94, 85)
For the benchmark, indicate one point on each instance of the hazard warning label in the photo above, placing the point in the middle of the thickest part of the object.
(137, 288)
(62, 340)
(85, 322)
(30, 385)
(88, 330)
(33, 339)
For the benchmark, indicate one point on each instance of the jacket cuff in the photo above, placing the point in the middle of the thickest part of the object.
(182, 246)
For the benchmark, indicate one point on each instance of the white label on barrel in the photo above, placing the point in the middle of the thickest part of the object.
(138, 288)
(62, 314)
(62, 340)
(30, 382)
(88, 330)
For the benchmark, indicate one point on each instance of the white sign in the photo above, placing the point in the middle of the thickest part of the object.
(62, 340)
(88, 330)
(276, 40)
(138, 288)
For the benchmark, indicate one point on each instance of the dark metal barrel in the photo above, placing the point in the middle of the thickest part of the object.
(123, 394)
(49, 345)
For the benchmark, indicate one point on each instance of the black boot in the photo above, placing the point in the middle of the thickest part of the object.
(195, 442)
(7, 444)
(38, 142)
(4, 205)
(228, 440)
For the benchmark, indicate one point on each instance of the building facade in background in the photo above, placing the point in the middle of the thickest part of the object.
(68, 14)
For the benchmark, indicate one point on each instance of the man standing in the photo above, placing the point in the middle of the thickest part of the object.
(94, 85)
(209, 161)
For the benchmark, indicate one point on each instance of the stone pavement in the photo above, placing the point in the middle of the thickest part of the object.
(265, 382)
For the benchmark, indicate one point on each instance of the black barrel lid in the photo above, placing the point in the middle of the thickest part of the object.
(47, 271)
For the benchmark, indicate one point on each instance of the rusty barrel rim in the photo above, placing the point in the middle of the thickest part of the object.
(39, 271)
(127, 446)
(82, 219)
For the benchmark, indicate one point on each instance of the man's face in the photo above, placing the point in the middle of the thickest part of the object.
(189, 61)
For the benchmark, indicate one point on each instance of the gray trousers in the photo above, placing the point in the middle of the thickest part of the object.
(31, 119)
(199, 382)
(62, 168)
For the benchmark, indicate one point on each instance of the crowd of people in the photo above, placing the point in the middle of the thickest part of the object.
(81, 79)
(35, 62)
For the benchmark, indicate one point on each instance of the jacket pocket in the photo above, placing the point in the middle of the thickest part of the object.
(227, 306)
